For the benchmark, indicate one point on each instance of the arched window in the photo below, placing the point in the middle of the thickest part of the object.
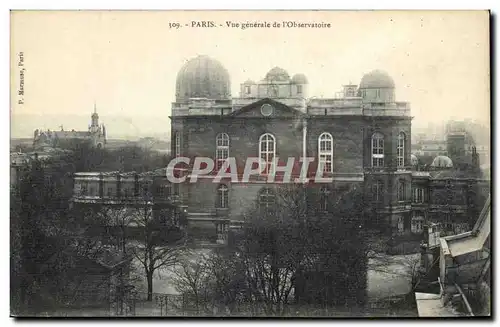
(222, 196)
(267, 198)
(324, 194)
(325, 152)
(401, 149)
(267, 150)
(222, 149)
(378, 189)
(377, 150)
(401, 190)
(177, 144)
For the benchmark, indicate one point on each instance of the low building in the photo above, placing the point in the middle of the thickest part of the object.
(463, 266)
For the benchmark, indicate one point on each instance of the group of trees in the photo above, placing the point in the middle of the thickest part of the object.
(48, 236)
(291, 256)
(43, 233)
(286, 254)
(126, 158)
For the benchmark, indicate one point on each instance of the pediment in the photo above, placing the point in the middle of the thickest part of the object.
(266, 108)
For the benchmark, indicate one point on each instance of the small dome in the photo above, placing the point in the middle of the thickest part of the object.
(249, 82)
(277, 74)
(442, 162)
(299, 79)
(414, 160)
(377, 79)
(203, 77)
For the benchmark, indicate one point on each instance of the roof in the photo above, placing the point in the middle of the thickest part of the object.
(259, 103)
(420, 174)
(474, 240)
(376, 79)
(299, 79)
(151, 173)
(203, 77)
(277, 74)
(452, 174)
(442, 162)
(430, 305)
(71, 134)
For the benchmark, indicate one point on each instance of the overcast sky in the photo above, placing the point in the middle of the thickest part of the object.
(127, 62)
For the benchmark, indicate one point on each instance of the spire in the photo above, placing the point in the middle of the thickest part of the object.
(95, 107)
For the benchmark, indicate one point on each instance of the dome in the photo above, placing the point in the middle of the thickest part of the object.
(377, 79)
(203, 77)
(442, 162)
(414, 160)
(277, 74)
(299, 79)
(249, 82)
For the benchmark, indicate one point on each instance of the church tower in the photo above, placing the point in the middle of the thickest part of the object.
(94, 127)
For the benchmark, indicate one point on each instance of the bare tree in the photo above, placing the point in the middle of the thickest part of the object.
(192, 279)
(158, 245)
(294, 238)
(118, 220)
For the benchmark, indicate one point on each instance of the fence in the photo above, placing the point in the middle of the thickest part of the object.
(137, 304)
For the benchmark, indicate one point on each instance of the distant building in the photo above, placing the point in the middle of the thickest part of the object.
(458, 140)
(95, 135)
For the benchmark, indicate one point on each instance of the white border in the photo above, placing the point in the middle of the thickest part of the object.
(187, 4)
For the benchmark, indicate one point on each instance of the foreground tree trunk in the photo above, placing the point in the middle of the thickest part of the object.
(150, 285)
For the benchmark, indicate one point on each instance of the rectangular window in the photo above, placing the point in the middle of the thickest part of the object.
(418, 195)
(378, 162)
(401, 150)
(223, 195)
(417, 225)
(299, 89)
(248, 89)
(377, 190)
(324, 198)
(109, 192)
(401, 191)
(401, 225)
